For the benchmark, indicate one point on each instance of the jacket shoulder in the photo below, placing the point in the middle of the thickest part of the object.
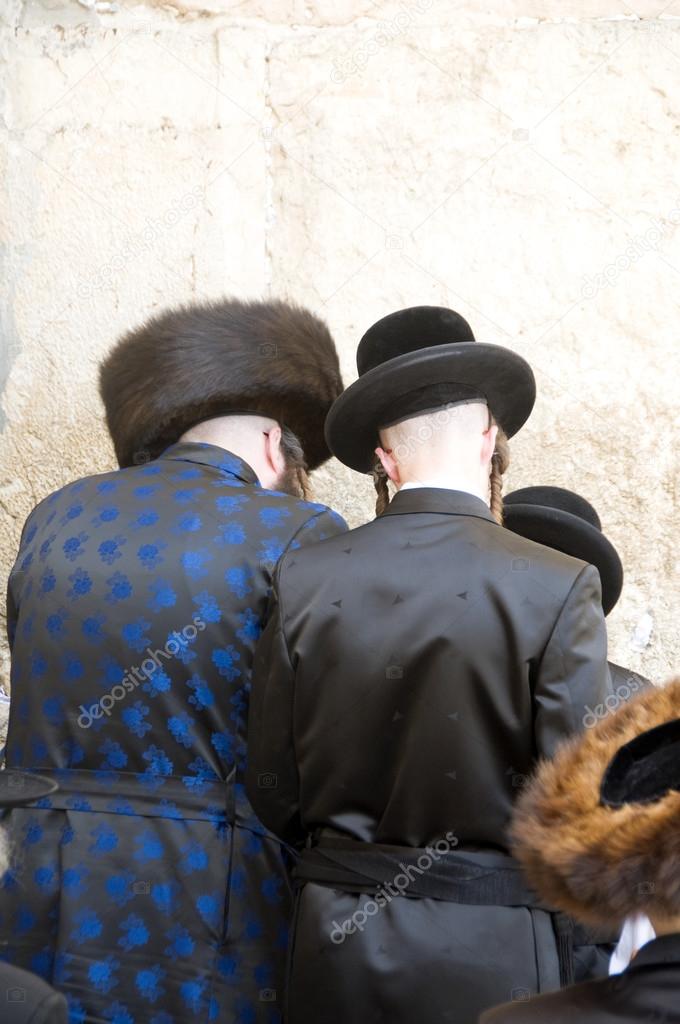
(333, 546)
(542, 555)
(75, 491)
(541, 559)
(298, 512)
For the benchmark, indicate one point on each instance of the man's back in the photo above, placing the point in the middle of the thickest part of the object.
(135, 605)
(410, 673)
(429, 669)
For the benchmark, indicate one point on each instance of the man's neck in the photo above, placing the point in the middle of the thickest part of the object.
(446, 481)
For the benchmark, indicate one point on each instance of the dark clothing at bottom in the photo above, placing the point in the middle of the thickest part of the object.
(27, 999)
(648, 990)
(461, 959)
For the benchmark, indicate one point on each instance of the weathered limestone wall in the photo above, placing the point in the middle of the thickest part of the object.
(517, 161)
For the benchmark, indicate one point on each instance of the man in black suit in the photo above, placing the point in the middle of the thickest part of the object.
(564, 520)
(25, 998)
(410, 674)
(598, 833)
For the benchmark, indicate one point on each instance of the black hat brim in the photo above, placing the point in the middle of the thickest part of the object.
(500, 375)
(20, 787)
(573, 536)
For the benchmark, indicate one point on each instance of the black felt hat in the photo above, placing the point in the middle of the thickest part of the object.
(417, 360)
(19, 787)
(565, 521)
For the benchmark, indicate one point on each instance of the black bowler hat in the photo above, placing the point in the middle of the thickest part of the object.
(565, 521)
(19, 787)
(418, 360)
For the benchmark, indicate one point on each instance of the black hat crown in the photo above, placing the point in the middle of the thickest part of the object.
(409, 330)
(557, 498)
(563, 520)
(645, 769)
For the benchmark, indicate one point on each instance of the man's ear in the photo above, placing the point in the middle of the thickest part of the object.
(389, 464)
(273, 452)
(488, 444)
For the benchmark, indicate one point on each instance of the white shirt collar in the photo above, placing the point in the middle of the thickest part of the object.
(412, 484)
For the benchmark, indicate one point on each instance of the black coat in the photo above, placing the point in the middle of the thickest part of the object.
(27, 999)
(410, 674)
(648, 990)
(625, 682)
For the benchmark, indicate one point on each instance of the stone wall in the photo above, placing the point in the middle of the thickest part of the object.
(517, 161)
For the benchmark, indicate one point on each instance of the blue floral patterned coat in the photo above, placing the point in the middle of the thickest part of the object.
(145, 888)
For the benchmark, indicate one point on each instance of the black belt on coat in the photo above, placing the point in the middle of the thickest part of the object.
(475, 878)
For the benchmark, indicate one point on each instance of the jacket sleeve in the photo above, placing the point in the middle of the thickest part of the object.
(11, 614)
(573, 675)
(13, 582)
(272, 782)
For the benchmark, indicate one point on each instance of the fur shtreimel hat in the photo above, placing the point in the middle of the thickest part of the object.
(598, 828)
(196, 362)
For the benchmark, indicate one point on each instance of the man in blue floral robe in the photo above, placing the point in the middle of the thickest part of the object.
(145, 888)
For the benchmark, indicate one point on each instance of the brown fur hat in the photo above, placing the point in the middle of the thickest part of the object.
(199, 361)
(601, 863)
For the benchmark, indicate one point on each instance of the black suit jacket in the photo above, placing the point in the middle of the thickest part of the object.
(648, 990)
(625, 682)
(413, 670)
(27, 999)
(410, 674)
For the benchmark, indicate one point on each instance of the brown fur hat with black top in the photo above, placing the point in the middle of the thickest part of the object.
(598, 828)
(194, 363)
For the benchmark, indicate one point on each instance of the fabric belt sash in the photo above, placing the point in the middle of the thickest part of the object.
(475, 878)
(191, 798)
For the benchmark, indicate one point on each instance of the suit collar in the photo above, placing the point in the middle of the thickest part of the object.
(438, 500)
(663, 950)
(211, 455)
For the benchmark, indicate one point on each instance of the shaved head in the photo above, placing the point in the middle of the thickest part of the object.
(437, 435)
